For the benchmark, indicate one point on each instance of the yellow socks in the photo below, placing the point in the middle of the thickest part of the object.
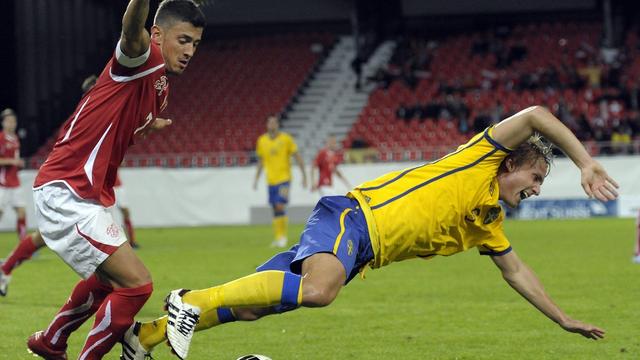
(153, 333)
(280, 224)
(262, 289)
(278, 289)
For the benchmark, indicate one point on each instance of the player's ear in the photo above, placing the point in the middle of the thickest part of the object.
(156, 34)
(510, 164)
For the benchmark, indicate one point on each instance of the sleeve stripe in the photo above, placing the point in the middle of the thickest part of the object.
(495, 143)
(129, 62)
(497, 253)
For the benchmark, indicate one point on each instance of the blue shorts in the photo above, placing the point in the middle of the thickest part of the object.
(336, 226)
(279, 193)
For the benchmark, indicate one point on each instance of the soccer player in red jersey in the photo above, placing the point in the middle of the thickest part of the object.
(326, 162)
(74, 187)
(10, 163)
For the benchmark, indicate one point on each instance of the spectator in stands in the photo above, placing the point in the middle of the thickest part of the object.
(275, 149)
(591, 72)
(621, 140)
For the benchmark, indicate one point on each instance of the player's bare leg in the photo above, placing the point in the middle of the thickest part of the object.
(21, 222)
(21, 253)
(126, 218)
(280, 225)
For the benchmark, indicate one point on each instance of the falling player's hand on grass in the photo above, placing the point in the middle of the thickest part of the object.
(597, 183)
(587, 330)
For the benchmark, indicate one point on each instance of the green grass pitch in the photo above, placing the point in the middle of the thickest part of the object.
(445, 308)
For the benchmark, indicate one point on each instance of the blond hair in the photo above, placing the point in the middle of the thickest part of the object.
(529, 152)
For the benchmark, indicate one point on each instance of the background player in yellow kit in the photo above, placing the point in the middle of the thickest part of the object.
(275, 149)
(439, 208)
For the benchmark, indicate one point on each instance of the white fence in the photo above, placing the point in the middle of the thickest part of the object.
(162, 197)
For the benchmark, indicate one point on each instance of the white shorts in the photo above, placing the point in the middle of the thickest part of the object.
(82, 232)
(11, 196)
(121, 197)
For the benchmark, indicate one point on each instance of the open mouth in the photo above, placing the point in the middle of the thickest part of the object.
(524, 195)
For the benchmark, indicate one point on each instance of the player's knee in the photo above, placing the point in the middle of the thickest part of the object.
(317, 296)
(279, 210)
(139, 279)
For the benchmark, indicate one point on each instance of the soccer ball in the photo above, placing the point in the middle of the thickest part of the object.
(253, 357)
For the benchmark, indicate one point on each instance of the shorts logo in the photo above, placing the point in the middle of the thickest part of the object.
(349, 247)
(113, 230)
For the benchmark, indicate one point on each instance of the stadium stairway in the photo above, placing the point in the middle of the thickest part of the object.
(329, 104)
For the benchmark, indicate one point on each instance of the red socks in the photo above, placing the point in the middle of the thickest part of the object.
(22, 252)
(85, 299)
(113, 318)
(21, 228)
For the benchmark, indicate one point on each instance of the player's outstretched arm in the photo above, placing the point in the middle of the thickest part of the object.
(134, 39)
(301, 165)
(516, 129)
(258, 172)
(314, 182)
(520, 277)
(344, 179)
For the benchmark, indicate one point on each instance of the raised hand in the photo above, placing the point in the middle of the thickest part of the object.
(597, 183)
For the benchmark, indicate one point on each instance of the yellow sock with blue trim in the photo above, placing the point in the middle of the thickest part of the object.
(280, 289)
(154, 332)
(280, 223)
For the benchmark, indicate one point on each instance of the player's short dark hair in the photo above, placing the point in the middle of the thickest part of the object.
(7, 112)
(171, 11)
(534, 149)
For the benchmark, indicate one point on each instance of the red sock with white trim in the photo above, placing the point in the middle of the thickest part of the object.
(22, 252)
(21, 228)
(113, 319)
(84, 301)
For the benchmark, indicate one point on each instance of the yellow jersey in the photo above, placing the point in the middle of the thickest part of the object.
(275, 154)
(439, 208)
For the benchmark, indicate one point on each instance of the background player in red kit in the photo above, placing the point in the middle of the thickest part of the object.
(10, 163)
(74, 187)
(326, 162)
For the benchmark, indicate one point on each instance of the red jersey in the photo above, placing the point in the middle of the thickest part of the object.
(327, 160)
(93, 141)
(9, 148)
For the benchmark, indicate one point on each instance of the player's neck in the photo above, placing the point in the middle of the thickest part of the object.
(273, 134)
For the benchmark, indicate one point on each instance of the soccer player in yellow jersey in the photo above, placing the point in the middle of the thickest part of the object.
(275, 149)
(440, 208)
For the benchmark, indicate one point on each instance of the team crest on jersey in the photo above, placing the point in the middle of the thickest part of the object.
(492, 215)
(161, 85)
(113, 230)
